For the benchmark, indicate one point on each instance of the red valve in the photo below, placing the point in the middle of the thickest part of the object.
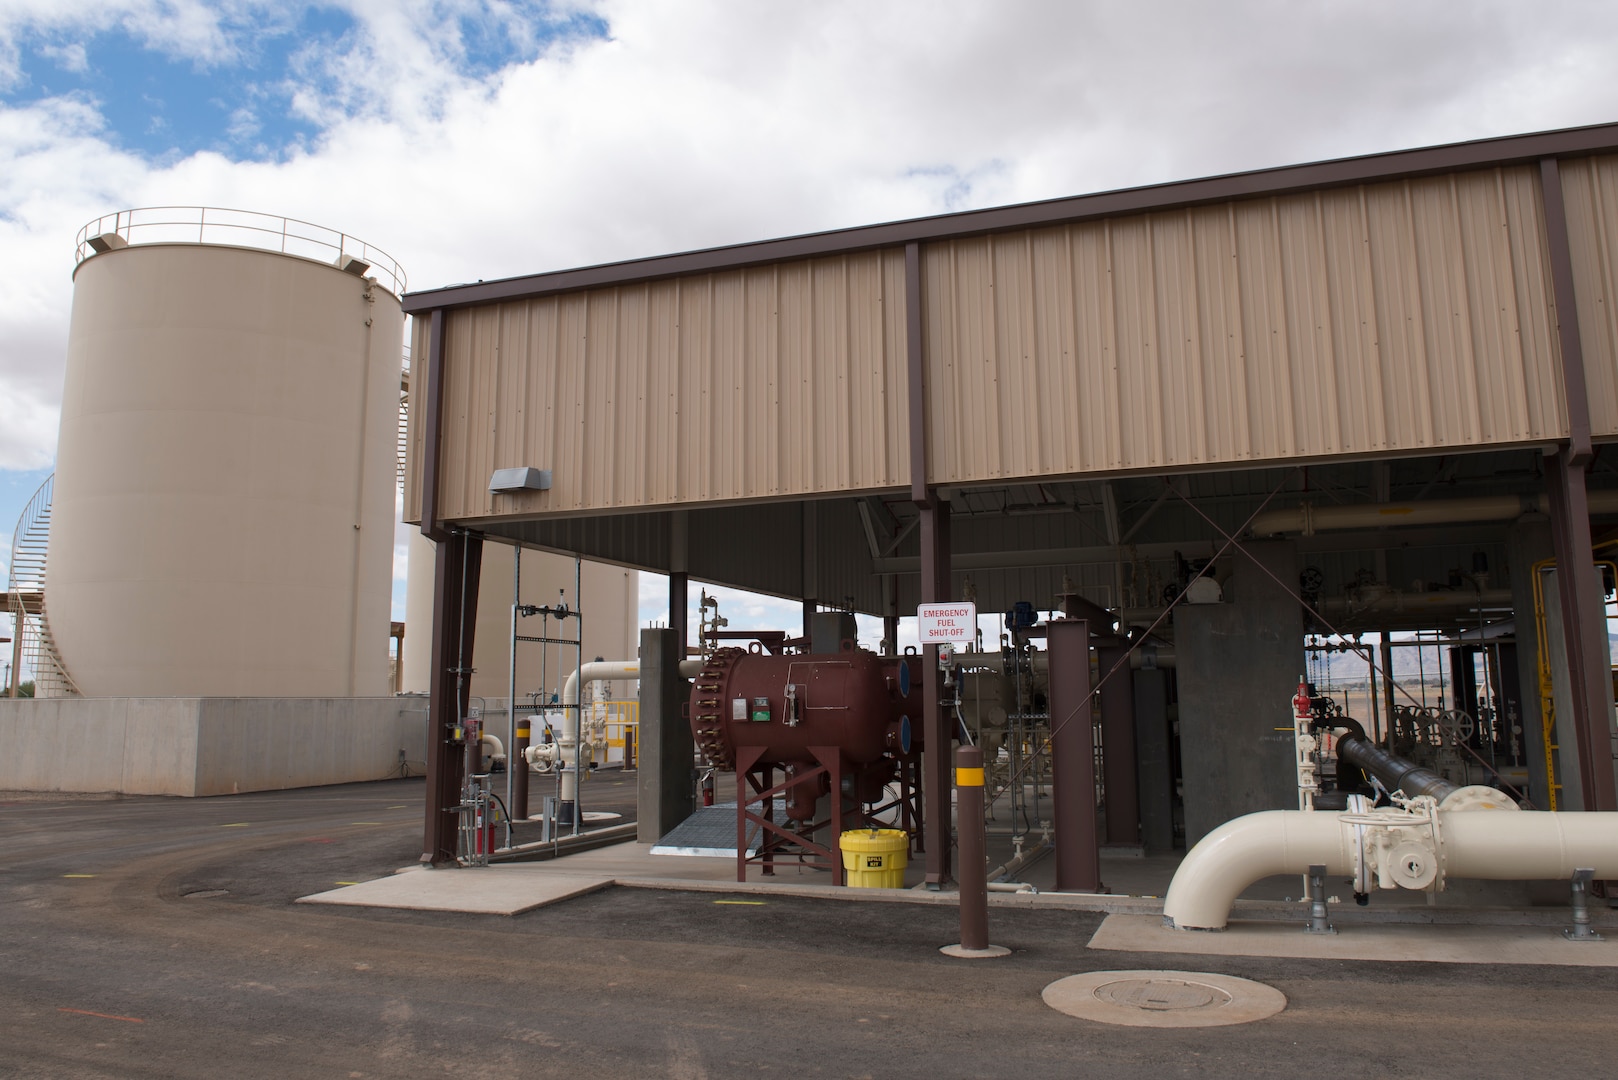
(1302, 704)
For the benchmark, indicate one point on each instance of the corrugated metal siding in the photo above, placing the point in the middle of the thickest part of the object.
(779, 381)
(1590, 187)
(1395, 317)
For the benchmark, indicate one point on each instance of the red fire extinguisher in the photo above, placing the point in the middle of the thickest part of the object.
(707, 788)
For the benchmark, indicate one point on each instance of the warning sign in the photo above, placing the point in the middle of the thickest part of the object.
(946, 622)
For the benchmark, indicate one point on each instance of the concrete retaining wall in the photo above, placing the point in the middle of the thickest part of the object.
(206, 746)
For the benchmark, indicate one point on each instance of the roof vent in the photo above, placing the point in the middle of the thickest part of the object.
(509, 481)
(107, 241)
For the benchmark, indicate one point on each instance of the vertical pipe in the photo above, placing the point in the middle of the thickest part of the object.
(1073, 765)
(972, 873)
(939, 728)
(578, 699)
(1376, 711)
(521, 733)
(1387, 681)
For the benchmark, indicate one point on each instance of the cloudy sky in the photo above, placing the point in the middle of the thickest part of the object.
(484, 138)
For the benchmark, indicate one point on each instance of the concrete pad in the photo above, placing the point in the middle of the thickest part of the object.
(1446, 944)
(503, 890)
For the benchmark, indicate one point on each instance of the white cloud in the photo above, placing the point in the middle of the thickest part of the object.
(708, 122)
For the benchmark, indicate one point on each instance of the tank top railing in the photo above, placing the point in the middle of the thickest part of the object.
(239, 228)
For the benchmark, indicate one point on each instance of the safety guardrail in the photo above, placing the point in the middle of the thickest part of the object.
(239, 228)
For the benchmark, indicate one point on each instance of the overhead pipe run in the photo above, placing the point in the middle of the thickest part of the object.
(1309, 519)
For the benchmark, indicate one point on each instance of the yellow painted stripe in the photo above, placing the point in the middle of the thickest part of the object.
(345, 883)
(968, 777)
(78, 875)
(522, 733)
(365, 823)
(749, 903)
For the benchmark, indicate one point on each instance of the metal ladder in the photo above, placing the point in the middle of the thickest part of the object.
(26, 593)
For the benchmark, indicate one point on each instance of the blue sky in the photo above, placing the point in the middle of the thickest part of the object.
(483, 138)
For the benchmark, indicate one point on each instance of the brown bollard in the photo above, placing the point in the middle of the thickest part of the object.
(972, 870)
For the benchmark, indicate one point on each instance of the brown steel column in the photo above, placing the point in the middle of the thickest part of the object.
(938, 728)
(1583, 629)
(1073, 761)
(459, 560)
(1118, 744)
(679, 610)
(1583, 613)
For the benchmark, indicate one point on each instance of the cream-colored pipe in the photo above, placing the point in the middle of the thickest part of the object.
(1309, 519)
(566, 751)
(1527, 846)
(1226, 861)
(493, 747)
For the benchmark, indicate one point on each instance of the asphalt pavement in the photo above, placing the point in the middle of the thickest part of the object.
(155, 937)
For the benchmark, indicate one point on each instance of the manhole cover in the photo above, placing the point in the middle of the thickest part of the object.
(1163, 998)
(1164, 995)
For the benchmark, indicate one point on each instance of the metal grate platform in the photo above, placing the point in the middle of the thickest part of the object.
(710, 831)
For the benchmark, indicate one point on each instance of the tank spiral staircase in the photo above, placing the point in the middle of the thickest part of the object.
(26, 595)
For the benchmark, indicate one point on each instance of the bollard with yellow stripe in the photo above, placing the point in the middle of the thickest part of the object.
(968, 777)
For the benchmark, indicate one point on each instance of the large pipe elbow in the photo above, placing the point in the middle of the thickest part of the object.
(1226, 861)
(1484, 843)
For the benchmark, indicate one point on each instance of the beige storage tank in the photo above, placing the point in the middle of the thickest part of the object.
(611, 602)
(224, 504)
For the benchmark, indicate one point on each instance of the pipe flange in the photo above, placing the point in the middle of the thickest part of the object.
(708, 709)
(1477, 797)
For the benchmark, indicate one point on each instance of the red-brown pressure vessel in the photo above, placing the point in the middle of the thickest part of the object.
(854, 700)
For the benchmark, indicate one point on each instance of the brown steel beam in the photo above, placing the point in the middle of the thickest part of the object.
(916, 373)
(432, 441)
(1567, 311)
(679, 609)
(1375, 168)
(457, 567)
(1073, 760)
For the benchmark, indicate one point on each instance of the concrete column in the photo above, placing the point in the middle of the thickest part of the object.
(1118, 743)
(1154, 760)
(1529, 542)
(668, 793)
(1238, 669)
(1073, 762)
